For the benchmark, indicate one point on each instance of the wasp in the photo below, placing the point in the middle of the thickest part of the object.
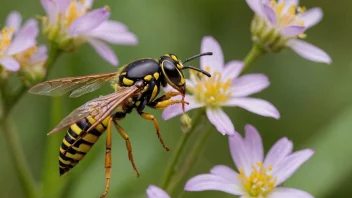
(136, 84)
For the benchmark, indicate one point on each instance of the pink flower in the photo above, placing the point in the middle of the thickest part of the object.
(282, 23)
(224, 88)
(15, 39)
(76, 25)
(258, 176)
(156, 192)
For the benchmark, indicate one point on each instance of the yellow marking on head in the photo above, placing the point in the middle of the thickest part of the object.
(75, 128)
(167, 55)
(174, 57)
(138, 103)
(148, 77)
(64, 161)
(83, 148)
(156, 75)
(124, 73)
(182, 81)
(76, 156)
(91, 138)
(127, 81)
(155, 92)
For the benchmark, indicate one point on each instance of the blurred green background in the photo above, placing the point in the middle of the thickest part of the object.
(315, 100)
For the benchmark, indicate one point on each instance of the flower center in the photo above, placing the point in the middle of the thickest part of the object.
(212, 91)
(5, 38)
(26, 56)
(76, 9)
(288, 14)
(260, 182)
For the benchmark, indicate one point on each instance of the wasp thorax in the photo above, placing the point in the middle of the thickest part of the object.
(211, 91)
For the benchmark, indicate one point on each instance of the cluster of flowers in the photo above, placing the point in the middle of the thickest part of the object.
(276, 25)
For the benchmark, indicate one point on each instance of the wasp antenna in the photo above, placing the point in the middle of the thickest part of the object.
(197, 69)
(197, 56)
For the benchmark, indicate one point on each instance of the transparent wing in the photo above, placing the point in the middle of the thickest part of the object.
(99, 108)
(78, 85)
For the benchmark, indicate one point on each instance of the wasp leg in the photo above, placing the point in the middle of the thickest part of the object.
(128, 145)
(151, 117)
(108, 159)
(165, 100)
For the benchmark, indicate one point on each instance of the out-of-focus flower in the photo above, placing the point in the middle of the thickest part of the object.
(69, 23)
(282, 23)
(257, 177)
(156, 192)
(15, 40)
(223, 88)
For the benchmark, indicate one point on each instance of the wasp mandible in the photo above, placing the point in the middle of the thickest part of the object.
(136, 84)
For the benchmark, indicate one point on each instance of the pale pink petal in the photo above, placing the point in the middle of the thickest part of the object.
(281, 192)
(278, 152)
(212, 182)
(249, 84)
(62, 5)
(232, 69)
(309, 51)
(112, 27)
(25, 38)
(291, 163)
(256, 6)
(104, 51)
(226, 173)
(293, 30)
(216, 61)
(50, 9)
(254, 144)
(270, 14)
(221, 121)
(123, 38)
(41, 55)
(14, 20)
(156, 192)
(175, 110)
(88, 22)
(254, 105)
(10, 63)
(240, 154)
(290, 2)
(88, 3)
(312, 17)
(189, 83)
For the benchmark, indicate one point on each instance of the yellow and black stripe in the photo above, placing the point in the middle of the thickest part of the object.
(70, 158)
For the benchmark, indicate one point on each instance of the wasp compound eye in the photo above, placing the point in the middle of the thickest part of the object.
(171, 72)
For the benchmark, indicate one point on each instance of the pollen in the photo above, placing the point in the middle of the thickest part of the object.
(287, 14)
(5, 38)
(75, 10)
(212, 91)
(260, 182)
(26, 56)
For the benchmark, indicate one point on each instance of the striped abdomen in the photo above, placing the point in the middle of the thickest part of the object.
(69, 157)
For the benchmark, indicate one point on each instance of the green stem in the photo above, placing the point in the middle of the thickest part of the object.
(19, 161)
(252, 55)
(190, 159)
(171, 167)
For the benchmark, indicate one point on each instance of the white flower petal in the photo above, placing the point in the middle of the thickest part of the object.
(88, 3)
(62, 5)
(278, 152)
(123, 38)
(254, 144)
(270, 14)
(212, 182)
(41, 55)
(249, 84)
(293, 30)
(290, 2)
(104, 51)
(25, 38)
(226, 173)
(291, 163)
(50, 9)
(216, 61)
(255, 105)
(14, 20)
(232, 69)
(281, 192)
(175, 110)
(189, 83)
(312, 17)
(156, 192)
(10, 63)
(88, 22)
(256, 6)
(309, 51)
(221, 121)
(240, 154)
(112, 27)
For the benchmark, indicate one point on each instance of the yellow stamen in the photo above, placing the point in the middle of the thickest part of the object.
(25, 57)
(212, 91)
(75, 10)
(260, 182)
(6, 37)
